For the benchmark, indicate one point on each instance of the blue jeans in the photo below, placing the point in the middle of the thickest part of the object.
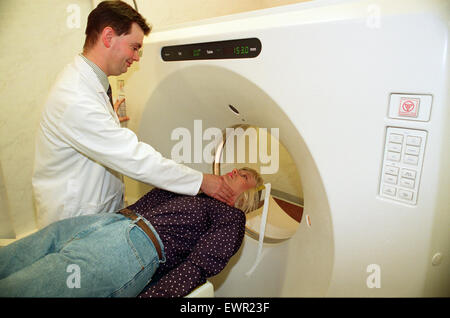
(101, 255)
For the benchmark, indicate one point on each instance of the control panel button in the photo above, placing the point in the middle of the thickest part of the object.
(412, 150)
(394, 147)
(407, 183)
(405, 194)
(393, 156)
(390, 179)
(391, 170)
(407, 173)
(396, 138)
(410, 107)
(413, 140)
(391, 191)
(412, 160)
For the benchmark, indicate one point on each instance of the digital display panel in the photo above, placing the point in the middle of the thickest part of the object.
(230, 49)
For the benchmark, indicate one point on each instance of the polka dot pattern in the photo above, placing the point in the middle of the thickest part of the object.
(200, 235)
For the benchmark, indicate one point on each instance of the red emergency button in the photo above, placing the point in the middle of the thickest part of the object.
(409, 107)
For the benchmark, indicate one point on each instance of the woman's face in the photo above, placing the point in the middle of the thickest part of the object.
(239, 181)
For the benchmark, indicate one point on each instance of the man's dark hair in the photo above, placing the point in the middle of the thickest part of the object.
(115, 14)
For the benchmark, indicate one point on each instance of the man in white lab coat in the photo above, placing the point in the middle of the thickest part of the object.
(81, 149)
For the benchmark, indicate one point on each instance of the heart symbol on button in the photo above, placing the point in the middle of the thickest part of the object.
(408, 106)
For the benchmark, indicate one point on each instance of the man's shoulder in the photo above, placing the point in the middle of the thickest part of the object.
(73, 83)
(71, 96)
(75, 75)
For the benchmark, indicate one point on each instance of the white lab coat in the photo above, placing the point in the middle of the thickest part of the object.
(81, 152)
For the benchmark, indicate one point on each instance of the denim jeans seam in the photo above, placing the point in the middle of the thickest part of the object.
(73, 238)
(77, 234)
(153, 263)
(136, 253)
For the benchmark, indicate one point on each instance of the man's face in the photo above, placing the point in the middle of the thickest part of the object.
(125, 50)
(239, 181)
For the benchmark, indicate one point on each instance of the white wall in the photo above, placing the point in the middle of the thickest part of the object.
(38, 38)
(35, 44)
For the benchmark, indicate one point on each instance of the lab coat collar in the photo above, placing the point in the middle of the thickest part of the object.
(91, 78)
(98, 71)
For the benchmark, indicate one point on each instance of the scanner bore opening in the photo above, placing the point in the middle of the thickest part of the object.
(286, 197)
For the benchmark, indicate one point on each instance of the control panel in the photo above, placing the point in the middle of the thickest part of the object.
(402, 164)
(229, 49)
(404, 148)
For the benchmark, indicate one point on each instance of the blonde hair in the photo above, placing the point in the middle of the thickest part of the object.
(249, 200)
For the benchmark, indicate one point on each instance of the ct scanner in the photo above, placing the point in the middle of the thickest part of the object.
(359, 92)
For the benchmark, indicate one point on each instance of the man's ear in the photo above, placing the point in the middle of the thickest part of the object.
(107, 36)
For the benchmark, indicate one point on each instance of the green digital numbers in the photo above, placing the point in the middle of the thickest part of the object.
(241, 50)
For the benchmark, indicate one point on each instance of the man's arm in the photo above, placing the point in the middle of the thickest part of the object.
(91, 130)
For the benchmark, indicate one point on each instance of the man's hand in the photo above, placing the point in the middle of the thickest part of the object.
(215, 187)
(116, 108)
